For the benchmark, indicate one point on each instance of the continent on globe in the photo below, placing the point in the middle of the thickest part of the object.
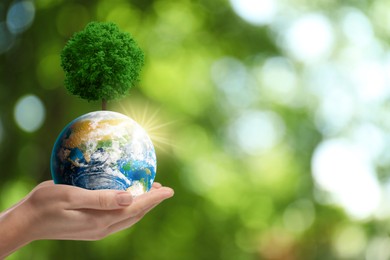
(104, 150)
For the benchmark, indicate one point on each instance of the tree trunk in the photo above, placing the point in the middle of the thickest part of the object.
(104, 104)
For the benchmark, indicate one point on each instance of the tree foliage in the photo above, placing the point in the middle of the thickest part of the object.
(101, 62)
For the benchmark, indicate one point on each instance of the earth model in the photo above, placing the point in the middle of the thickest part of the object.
(104, 150)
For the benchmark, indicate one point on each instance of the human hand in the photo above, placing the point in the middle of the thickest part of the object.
(66, 212)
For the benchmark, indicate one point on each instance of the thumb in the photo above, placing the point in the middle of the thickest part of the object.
(101, 199)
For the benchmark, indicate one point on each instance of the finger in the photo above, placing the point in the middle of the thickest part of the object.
(146, 200)
(156, 185)
(124, 224)
(44, 184)
(99, 199)
(130, 221)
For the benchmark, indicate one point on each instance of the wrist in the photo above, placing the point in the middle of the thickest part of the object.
(15, 230)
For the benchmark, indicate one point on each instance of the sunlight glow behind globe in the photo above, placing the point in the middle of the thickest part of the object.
(152, 121)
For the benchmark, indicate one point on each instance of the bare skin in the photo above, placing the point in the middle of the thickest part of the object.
(65, 212)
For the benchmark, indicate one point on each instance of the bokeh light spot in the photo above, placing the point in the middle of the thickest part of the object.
(355, 21)
(257, 131)
(20, 16)
(375, 145)
(279, 80)
(29, 113)
(299, 215)
(331, 119)
(7, 39)
(349, 242)
(371, 80)
(378, 248)
(233, 80)
(344, 170)
(254, 11)
(310, 38)
(229, 75)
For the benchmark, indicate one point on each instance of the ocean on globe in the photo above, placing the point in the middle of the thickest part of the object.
(104, 150)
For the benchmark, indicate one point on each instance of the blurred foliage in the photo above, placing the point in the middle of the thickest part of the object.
(230, 202)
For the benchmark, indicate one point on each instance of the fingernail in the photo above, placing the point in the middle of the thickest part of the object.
(124, 198)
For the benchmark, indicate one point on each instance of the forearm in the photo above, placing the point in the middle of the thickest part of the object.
(13, 231)
(65, 212)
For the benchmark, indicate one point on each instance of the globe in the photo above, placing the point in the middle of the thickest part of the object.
(104, 150)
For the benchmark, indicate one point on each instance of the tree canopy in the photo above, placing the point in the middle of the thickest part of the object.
(101, 62)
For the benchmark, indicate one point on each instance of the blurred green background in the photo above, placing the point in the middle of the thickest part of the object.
(270, 120)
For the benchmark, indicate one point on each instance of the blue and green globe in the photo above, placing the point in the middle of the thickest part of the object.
(104, 150)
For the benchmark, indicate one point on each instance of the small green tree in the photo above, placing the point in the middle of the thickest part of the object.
(101, 62)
